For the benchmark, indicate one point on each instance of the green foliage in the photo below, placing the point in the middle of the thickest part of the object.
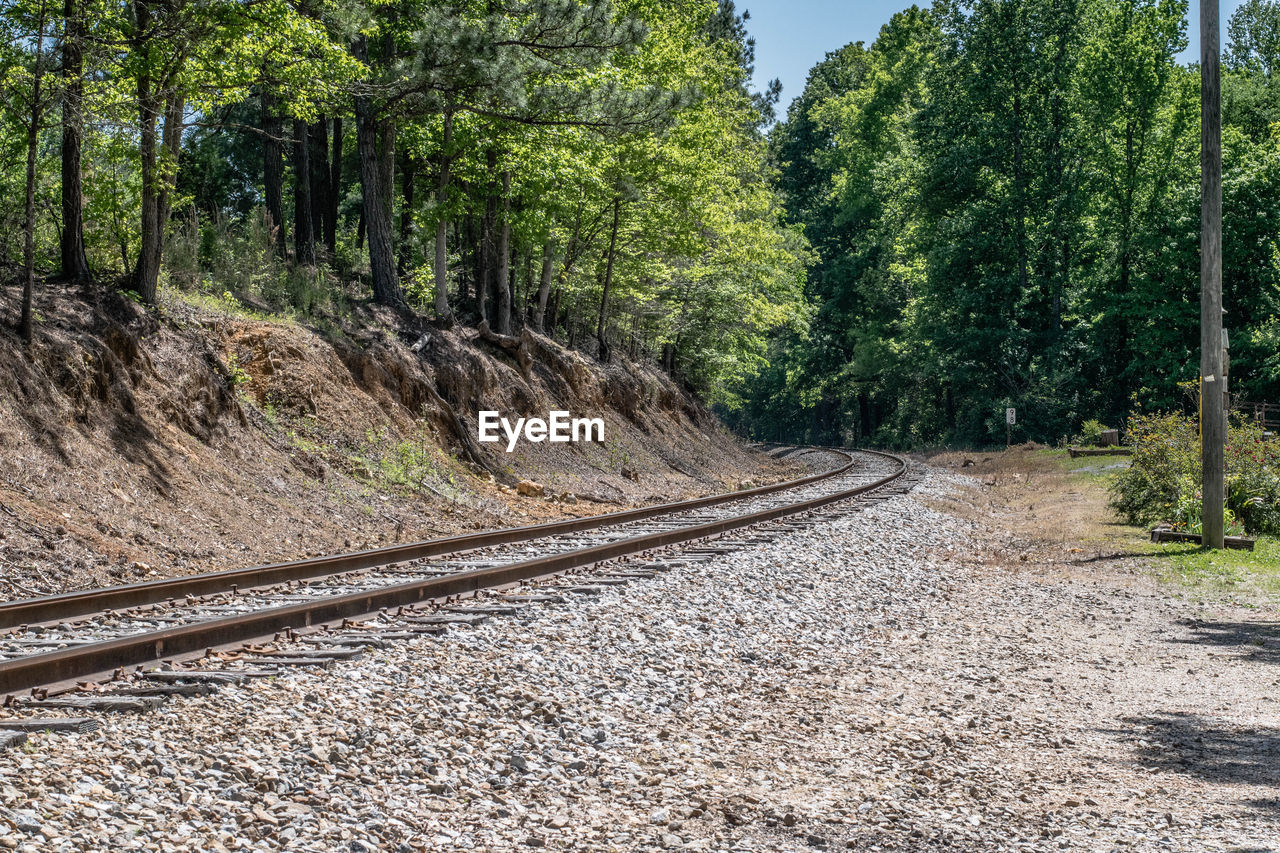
(1166, 454)
(1003, 200)
(1253, 479)
(414, 464)
(1253, 37)
(1163, 481)
(221, 264)
(236, 375)
(1090, 433)
(532, 119)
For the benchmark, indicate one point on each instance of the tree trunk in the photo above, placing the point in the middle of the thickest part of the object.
(608, 282)
(171, 148)
(504, 259)
(377, 220)
(520, 298)
(320, 203)
(387, 146)
(147, 272)
(408, 177)
(273, 169)
(468, 243)
(442, 228)
(335, 188)
(75, 265)
(484, 282)
(26, 324)
(555, 312)
(304, 239)
(376, 193)
(544, 284)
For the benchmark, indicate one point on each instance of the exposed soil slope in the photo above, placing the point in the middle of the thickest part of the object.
(206, 437)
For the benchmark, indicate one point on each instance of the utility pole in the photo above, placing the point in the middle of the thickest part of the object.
(1213, 390)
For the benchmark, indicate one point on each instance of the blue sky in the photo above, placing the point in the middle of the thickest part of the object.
(793, 35)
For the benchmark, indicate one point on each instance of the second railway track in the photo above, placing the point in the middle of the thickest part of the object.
(184, 618)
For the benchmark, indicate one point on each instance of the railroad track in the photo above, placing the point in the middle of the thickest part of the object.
(128, 647)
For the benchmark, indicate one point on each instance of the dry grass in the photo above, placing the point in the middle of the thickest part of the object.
(1043, 496)
(1055, 509)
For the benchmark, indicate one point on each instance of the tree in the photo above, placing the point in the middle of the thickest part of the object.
(595, 170)
(212, 54)
(1139, 108)
(519, 64)
(75, 264)
(36, 107)
(1253, 38)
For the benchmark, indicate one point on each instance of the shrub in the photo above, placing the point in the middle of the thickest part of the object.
(1163, 481)
(1090, 433)
(1165, 456)
(1253, 479)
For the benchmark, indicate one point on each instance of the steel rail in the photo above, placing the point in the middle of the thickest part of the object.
(70, 605)
(77, 662)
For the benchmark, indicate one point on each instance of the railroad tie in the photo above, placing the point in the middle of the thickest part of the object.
(201, 688)
(76, 725)
(283, 661)
(447, 619)
(488, 609)
(409, 632)
(348, 653)
(105, 702)
(534, 599)
(371, 640)
(216, 676)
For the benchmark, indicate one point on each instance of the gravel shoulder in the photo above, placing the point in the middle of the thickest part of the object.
(902, 678)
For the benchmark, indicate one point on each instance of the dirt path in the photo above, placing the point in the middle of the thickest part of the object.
(1061, 699)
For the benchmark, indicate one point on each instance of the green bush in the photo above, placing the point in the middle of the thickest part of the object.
(1090, 433)
(1163, 481)
(1166, 455)
(1253, 479)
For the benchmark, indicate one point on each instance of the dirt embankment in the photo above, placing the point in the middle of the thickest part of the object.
(135, 444)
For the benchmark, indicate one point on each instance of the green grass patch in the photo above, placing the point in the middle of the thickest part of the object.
(212, 301)
(1089, 466)
(1220, 571)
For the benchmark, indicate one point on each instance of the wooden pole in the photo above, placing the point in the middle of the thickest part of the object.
(1212, 379)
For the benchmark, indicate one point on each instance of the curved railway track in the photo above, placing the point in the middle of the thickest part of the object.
(53, 643)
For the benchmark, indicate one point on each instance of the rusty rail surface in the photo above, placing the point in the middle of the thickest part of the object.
(93, 659)
(86, 602)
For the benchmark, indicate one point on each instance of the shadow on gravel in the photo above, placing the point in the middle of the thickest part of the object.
(1209, 749)
(1258, 641)
(908, 841)
(1166, 553)
(1111, 555)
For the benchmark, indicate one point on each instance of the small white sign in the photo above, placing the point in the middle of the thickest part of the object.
(1011, 416)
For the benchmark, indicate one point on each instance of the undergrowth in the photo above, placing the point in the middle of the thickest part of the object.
(1162, 482)
(236, 271)
(409, 465)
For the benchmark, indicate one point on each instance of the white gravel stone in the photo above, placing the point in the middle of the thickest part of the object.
(672, 712)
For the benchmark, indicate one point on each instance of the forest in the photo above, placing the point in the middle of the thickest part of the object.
(595, 171)
(1003, 202)
(995, 204)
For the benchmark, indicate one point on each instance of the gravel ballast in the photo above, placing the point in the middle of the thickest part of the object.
(870, 682)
